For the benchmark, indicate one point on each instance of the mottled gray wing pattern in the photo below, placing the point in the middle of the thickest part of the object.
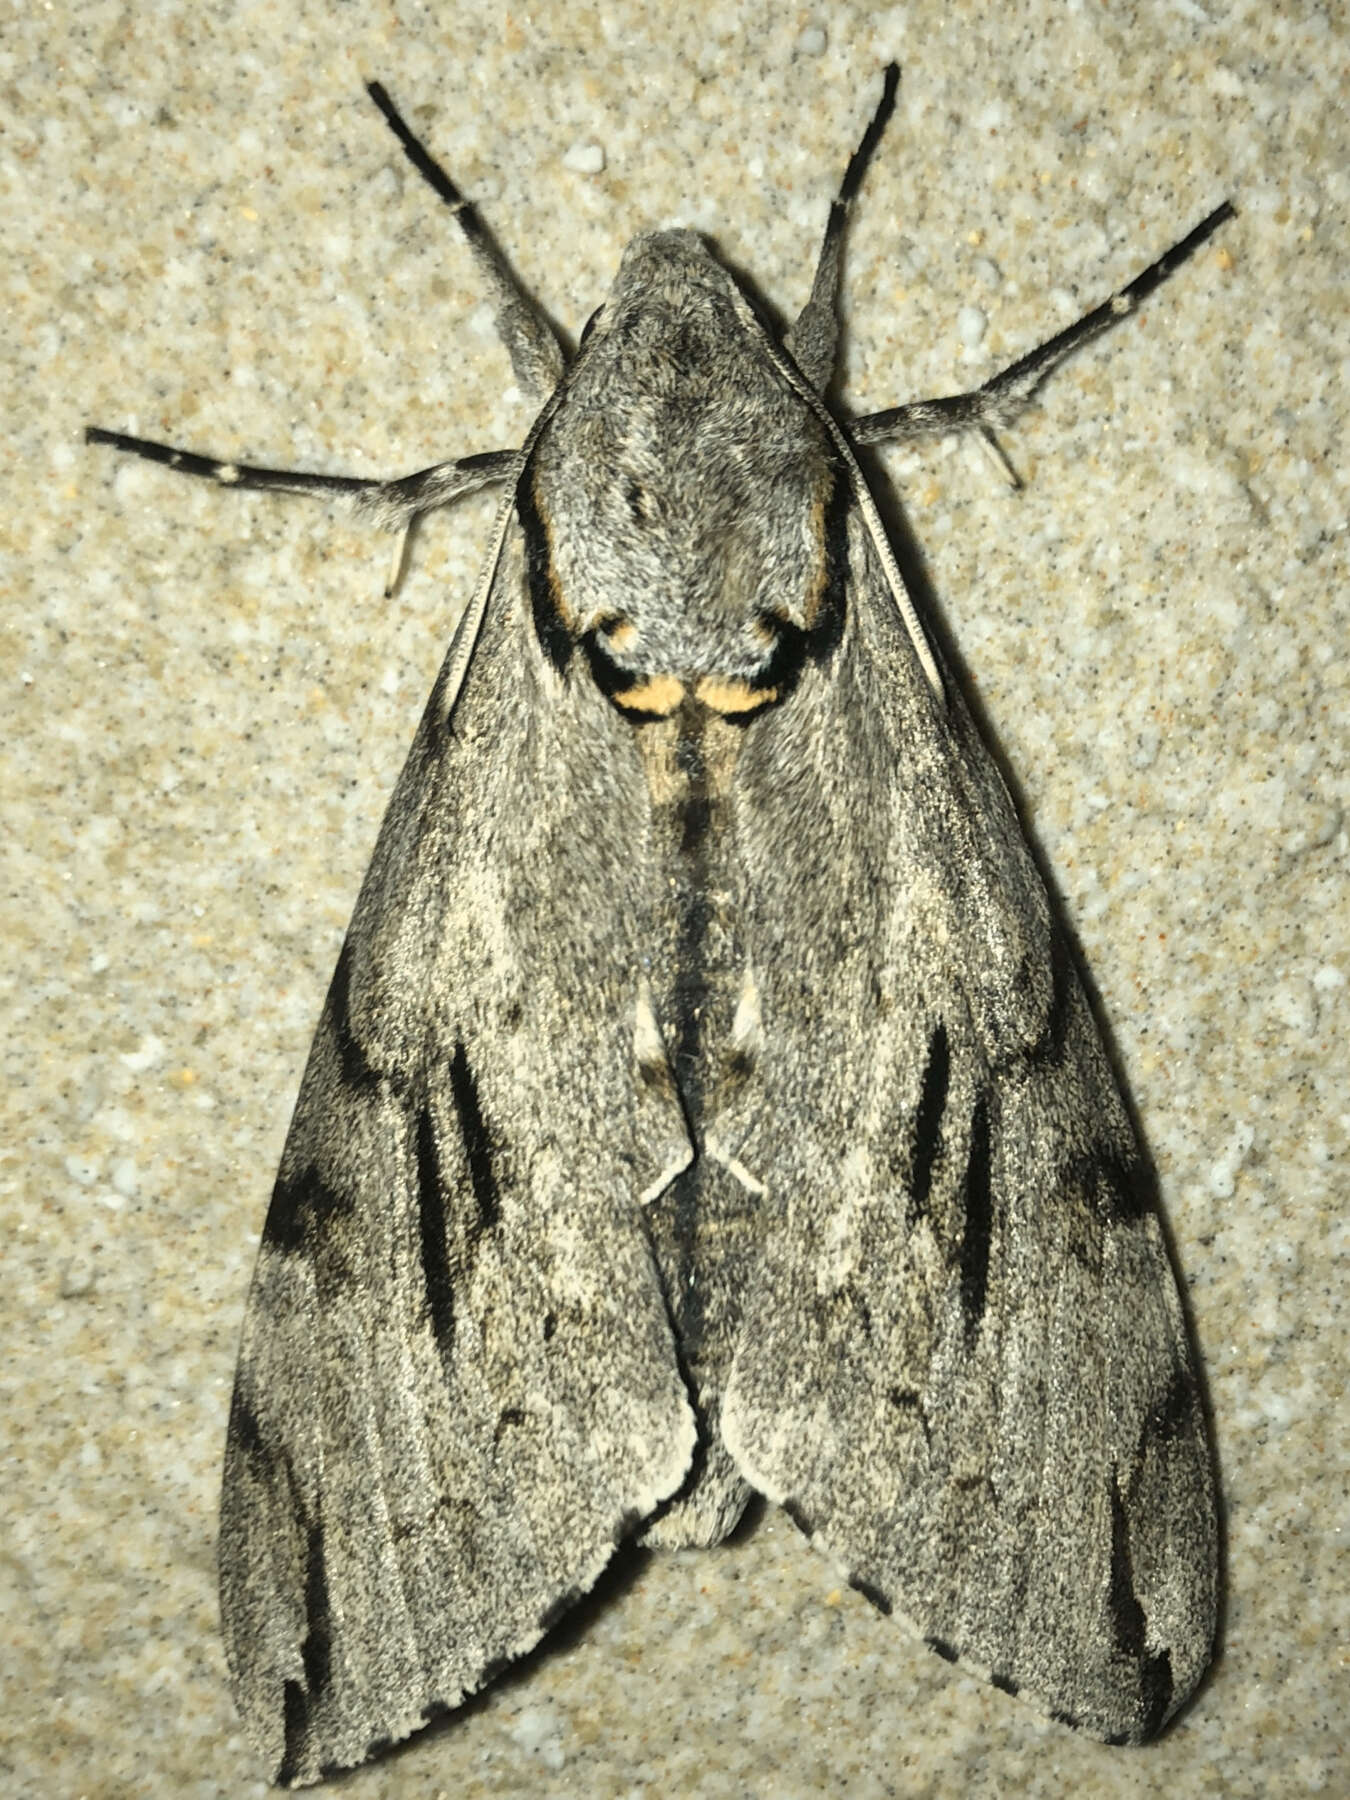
(963, 1366)
(457, 1386)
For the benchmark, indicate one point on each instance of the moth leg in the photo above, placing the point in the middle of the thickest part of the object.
(1003, 398)
(536, 355)
(814, 335)
(390, 504)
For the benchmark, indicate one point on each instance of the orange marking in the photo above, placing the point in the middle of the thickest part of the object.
(733, 696)
(660, 695)
(621, 635)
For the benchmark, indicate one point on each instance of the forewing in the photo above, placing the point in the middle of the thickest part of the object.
(963, 1365)
(457, 1385)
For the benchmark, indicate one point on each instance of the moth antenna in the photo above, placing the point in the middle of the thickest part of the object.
(536, 355)
(814, 337)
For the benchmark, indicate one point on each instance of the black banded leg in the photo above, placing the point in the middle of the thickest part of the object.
(814, 336)
(390, 504)
(536, 356)
(1000, 401)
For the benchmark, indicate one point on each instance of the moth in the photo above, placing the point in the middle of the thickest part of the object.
(706, 1102)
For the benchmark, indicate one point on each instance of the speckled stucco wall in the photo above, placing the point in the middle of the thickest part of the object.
(209, 236)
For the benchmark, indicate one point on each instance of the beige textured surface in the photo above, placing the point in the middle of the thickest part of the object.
(209, 236)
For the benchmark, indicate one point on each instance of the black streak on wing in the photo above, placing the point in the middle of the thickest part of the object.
(850, 1301)
(244, 1432)
(295, 1200)
(1127, 1616)
(316, 1653)
(1119, 1188)
(440, 1287)
(928, 1121)
(357, 1070)
(1155, 1692)
(294, 1724)
(1128, 1624)
(945, 1650)
(1171, 1411)
(1131, 1188)
(316, 1656)
(477, 1142)
(1048, 1050)
(975, 1241)
(554, 638)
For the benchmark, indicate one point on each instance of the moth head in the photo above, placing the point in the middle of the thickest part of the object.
(684, 502)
